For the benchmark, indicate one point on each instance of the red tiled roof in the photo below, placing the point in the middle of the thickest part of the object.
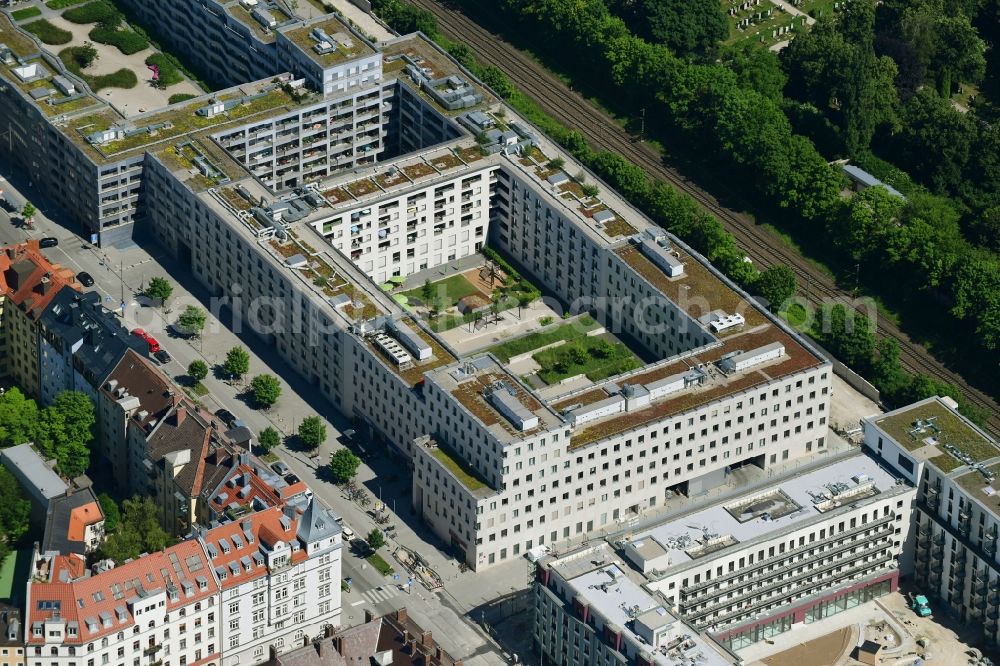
(257, 489)
(266, 528)
(81, 517)
(29, 279)
(85, 600)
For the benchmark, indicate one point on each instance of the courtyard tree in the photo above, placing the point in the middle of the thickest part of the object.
(65, 430)
(138, 532)
(312, 432)
(237, 362)
(112, 514)
(18, 418)
(159, 290)
(344, 465)
(266, 389)
(14, 511)
(427, 292)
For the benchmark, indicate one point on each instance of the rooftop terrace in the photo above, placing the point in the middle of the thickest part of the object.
(461, 470)
(414, 371)
(342, 46)
(243, 15)
(938, 433)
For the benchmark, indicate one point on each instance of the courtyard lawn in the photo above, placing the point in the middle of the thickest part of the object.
(569, 331)
(450, 290)
(594, 357)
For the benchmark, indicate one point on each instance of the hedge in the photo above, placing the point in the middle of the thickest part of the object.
(180, 97)
(98, 11)
(26, 13)
(127, 41)
(48, 33)
(169, 74)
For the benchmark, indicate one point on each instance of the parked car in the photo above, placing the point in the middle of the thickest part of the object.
(162, 356)
(48, 242)
(281, 468)
(291, 479)
(347, 532)
(226, 417)
(84, 278)
(154, 346)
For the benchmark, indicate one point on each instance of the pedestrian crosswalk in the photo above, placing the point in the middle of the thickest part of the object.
(379, 594)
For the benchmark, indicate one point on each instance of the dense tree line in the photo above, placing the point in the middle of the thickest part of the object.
(62, 432)
(736, 109)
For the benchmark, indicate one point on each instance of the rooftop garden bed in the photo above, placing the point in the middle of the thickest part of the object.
(469, 477)
(568, 331)
(77, 57)
(446, 162)
(595, 357)
(26, 13)
(387, 180)
(470, 154)
(337, 195)
(619, 227)
(234, 198)
(48, 33)
(414, 171)
(363, 187)
(286, 250)
(945, 428)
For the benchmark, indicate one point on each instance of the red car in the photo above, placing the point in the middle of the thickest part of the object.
(154, 346)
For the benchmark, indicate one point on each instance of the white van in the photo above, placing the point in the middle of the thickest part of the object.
(347, 532)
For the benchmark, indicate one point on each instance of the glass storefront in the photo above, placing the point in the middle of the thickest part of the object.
(821, 610)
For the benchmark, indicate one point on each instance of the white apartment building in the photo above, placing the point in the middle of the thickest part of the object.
(724, 384)
(158, 609)
(225, 596)
(957, 519)
(279, 576)
(592, 609)
(796, 549)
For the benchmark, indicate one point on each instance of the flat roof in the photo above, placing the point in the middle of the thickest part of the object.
(348, 45)
(414, 371)
(610, 592)
(33, 468)
(789, 501)
(935, 432)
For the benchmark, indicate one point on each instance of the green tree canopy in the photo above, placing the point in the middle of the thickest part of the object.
(112, 514)
(237, 362)
(268, 438)
(192, 320)
(197, 370)
(686, 28)
(139, 531)
(312, 432)
(375, 539)
(344, 465)
(159, 289)
(776, 285)
(18, 418)
(65, 431)
(266, 389)
(15, 510)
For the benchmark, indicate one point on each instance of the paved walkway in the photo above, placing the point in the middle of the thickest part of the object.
(794, 11)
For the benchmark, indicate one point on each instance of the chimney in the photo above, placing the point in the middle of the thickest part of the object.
(426, 639)
(369, 616)
(401, 615)
(180, 414)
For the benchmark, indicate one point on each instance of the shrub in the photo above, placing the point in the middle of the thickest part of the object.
(48, 33)
(169, 74)
(98, 11)
(76, 57)
(180, 97)
(26, 13)
(126, 41)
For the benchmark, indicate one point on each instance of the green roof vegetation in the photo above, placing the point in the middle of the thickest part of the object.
(526, 343)
(912, 428)
(463, 472)
(300, 37)
(595, 357)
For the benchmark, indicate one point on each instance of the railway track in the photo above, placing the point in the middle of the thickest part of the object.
(603, 132)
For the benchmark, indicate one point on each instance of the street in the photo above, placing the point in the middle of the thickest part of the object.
(121, 273)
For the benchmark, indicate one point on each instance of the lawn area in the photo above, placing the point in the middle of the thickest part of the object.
(26, 13)
(449, 290)
(63, 4)
(446, 322)
(594, 357)
(380, 564)
(569, 331)
(47, 32)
